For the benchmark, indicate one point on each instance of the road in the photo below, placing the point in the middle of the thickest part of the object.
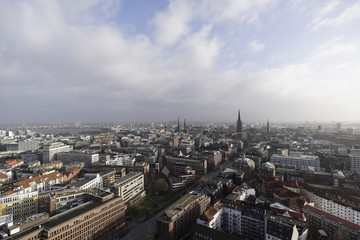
(147, 229)
(144, 230)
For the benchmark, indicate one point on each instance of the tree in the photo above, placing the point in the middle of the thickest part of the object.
(160, 185)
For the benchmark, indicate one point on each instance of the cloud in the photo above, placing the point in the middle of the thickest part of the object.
(173, 23)
(349, 14)
(256, 46)
(62, 62)
(331, 49)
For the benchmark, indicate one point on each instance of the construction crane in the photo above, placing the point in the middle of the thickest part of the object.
(108, 138)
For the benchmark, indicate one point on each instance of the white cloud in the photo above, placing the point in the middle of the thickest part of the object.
(173, 24)
(332, 48)
(329, 7)
(350, 14)
(256, 46)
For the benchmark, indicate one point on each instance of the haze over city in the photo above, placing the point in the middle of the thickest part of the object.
(121, 61)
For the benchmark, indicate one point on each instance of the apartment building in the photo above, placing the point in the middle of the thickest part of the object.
(341, 205)
(40, 183)
(330, 223)
(284, 228)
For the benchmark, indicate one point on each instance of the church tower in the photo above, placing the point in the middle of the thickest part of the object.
(239, 124)
(178, 125)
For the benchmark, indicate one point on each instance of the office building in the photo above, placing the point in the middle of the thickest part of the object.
(50, 150)
(299, 161)
(87, 158)
(180, 217)
(130, 187)
(355, 160)
(19, 205)
(100, 218)
(177, 166)
(28, 145)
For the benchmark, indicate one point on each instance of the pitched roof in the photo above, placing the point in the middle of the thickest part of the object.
(3, 175)
(13, 163)
(38, 179)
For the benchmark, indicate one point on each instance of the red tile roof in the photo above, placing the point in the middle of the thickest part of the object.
(13, 163)
(3, 175)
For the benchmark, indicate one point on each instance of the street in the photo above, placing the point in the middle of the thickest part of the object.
(147, 229)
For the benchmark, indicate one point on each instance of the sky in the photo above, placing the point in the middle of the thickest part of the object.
(140, 60)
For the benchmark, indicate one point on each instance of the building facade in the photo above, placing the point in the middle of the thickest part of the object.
(181, 216)
(331, 224)
(77, 156)
(299, 161)
(129, 187)
(50, 151)
(177, 166)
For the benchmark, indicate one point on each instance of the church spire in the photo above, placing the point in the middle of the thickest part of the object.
(178, 125)
(239, 124)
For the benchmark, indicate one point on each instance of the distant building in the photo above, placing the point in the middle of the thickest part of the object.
(300, 161)
(50, 150)
(78, 156)
(355, 160)
(28, 145)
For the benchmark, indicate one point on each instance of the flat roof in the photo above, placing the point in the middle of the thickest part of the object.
(69, 214)
(181, 204)
(75, 212)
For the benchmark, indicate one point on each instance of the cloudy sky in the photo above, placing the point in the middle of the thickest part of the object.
(141, 60)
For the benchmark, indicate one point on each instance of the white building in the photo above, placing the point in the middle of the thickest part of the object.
(343, 211)
(51, 149)
(28, 145)
(122, 160)
(91, 180)
(78, 156)
(129, 187)
(355, 160)
(299, 161)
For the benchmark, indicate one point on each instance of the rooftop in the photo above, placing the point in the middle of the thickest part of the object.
(181, 204)
(75, 212)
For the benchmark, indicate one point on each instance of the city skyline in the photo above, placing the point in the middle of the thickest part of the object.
(141, 61)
